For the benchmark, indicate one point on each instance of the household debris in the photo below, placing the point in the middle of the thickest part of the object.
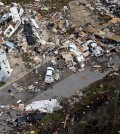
(67, 34)
(29, 118)
(82, 34)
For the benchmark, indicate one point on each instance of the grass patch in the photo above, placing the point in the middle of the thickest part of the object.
(26, 57)
(53, 117)
(1, 84)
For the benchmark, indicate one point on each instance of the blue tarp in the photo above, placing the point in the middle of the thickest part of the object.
(9, 44)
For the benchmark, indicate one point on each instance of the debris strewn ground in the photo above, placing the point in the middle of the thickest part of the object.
(45, 44)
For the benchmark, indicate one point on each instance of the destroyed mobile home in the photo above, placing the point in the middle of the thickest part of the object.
(34, 112)
(5, 70)
(31, 36)
(44, 106)
(52, 45)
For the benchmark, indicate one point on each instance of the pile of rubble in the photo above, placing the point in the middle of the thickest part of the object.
(29, 113)
(76, 34)
(72, 37)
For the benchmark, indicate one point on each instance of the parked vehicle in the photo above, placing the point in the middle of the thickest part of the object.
(49, 75)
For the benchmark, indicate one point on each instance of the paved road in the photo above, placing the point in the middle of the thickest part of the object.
(68, 86)
(76, 81)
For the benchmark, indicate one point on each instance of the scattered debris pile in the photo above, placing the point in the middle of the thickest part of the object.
(79, 34)
(64, 34)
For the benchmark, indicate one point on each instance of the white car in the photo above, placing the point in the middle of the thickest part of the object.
(94, 48)
(49, 75)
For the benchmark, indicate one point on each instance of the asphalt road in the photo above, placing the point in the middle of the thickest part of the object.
(76, 81)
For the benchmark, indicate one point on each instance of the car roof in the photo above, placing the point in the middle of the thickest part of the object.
(93, 44)
(49, 72)
(50, 68)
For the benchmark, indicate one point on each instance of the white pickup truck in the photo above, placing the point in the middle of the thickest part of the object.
(49, 75)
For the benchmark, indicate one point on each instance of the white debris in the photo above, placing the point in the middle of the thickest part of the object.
(45, 106)
(5, 70)
(34, 23)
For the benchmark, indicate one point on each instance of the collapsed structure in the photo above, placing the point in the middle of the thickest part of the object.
(5, 70)
(44, 106)
(15, 17)
(81, 32)
(57, 37)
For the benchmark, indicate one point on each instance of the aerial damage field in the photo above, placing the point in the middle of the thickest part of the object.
(55, 54)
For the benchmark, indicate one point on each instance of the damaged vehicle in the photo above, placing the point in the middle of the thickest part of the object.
(96, 50)
(49, 75)
(78, 56)
(72, 47)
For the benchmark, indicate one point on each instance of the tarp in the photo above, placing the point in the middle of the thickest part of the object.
(9, 44)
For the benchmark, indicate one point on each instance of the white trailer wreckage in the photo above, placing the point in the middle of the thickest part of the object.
(44, 106)
(5, 70)
(16, 19)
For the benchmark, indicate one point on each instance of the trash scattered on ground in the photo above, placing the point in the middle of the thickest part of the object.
(39, 40)
(50, 38)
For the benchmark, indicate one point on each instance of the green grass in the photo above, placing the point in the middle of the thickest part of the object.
(49, 118)
(26, 57)
(1, 84)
